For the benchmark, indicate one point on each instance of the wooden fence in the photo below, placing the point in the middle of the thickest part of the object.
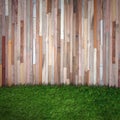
(60, 42)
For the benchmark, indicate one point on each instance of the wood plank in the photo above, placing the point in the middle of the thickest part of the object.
(91, 42)
(119, 72)
(13, 39)
(37, 43)
(30, 34)
(49, 48)
(0, 39)
(95, 23)
(87, 76)
(110, 49)
(52, 43)
(73, 42)
(25, 41)
(77, 42)
(104, 42)
(43, 31)
(80, 40)
(9, 63)
(62, 40)
(22, 78)
(48, 6)
(6, 47)
(118, 44)
(3, 61)
(6, 8)
(34, 75)
(40, 60)
(114, 65)
(68, 42)
(21, 41)
(107, 37)
(56, 79)
(0, 75)
(0, 43)
(0, 7)
(95, 41)
(113, 41)
(21, 44)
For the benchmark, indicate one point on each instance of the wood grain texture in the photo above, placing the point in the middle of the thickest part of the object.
(13, 39)
(113, 41)
(0, 75)
(0, 39)
(40, 52)
(37, 42)
(21, 41)
(48, 6)
(3, 60)
(56, 47)
(95, 23)
(9, 63)
(118, 18)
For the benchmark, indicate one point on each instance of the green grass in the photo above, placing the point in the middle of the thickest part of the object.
(59, 103)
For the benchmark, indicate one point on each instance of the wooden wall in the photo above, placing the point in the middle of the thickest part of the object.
(60, 42)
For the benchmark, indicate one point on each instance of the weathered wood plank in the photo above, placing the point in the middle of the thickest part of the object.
(56, 38)
(21, 41)
(43, 28)
(95, 23)
(48, 6)
(0, 75)
(37, 42)
(113, 41)
(40, 52)
(118, 15)
(0, 39)
(80, 40)
(9, 62)
(3, 61)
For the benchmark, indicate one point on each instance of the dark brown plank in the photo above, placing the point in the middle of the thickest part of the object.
(113, 41)
(48, 6)
(21, 41)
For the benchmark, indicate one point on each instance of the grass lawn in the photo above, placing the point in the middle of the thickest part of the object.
(59, 103)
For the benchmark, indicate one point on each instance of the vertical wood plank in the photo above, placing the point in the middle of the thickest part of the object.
(44, 28)
(113, 41)
(13, 38)
(80, 40)
(3, 61)
(40, 52)
(0, 39)
(48, 6)
(0, 75)
(0, 43)
(118, 44)
(37, 42)
(21, 41)
(56, 46)
(9, 63)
